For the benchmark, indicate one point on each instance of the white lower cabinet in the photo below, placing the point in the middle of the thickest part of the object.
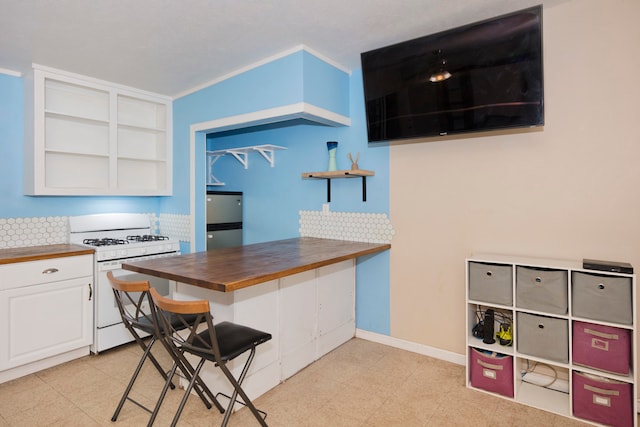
(46, 311)
(553, 335)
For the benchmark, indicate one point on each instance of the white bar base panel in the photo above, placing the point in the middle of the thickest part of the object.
(308, 314)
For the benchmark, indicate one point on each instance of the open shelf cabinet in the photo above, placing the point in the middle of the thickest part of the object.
(88, 137)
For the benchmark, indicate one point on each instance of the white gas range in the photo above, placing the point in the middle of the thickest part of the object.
(118, 238)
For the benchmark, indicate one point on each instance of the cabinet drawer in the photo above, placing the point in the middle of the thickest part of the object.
(491, 283)
(543, 336)
(542, 289)
(602, 297)
(45, 271)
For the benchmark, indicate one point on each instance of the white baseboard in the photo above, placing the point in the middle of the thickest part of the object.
(426, 350)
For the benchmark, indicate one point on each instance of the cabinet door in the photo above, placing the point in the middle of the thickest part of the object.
(45, 320)
(298, 320)
(336, 305)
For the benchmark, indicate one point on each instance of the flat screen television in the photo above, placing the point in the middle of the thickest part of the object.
(482, 76)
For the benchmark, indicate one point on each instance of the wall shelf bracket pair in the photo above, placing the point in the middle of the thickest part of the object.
(267, 151)
(354, 173)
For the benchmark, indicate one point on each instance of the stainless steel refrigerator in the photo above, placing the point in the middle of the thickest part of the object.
(224, 219)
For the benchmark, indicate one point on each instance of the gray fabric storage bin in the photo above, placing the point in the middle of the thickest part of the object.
(542, 289)
(601, 297)
(542, 336)
(491, 283)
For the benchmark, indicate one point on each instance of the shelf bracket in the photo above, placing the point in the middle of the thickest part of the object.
(364, 189)
(267, 151)
(354, 173)
(213, 157)
(241, 155)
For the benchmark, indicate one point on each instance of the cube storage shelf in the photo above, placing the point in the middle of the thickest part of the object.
(573, 337)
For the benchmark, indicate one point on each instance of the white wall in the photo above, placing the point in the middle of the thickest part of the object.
(568, 190)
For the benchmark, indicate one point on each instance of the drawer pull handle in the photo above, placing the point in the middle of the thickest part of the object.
(541, 326)
(600, 286)
(90, 292)
(50, 271)
(489, 273)
(538, 280)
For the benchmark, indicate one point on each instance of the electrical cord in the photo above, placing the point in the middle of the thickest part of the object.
(530, 369)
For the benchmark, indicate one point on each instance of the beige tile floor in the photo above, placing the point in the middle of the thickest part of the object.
(359, 384)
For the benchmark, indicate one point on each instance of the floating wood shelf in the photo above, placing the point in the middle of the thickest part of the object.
(355, 173)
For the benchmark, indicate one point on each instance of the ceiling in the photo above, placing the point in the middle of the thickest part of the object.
(173, 46)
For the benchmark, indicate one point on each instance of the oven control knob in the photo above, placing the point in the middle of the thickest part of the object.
(110, 254)
(123, 253)
(143, 250)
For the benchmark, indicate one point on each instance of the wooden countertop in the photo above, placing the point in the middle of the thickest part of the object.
(34, 253)
(231, 269)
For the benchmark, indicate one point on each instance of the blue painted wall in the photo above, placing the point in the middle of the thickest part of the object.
(13, 204)
(273, 197)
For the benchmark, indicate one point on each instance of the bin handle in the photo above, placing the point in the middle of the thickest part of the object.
(601, 391)
(489, 366)
(601, 334)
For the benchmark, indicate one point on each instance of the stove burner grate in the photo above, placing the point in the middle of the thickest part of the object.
(104, 242)
(146, 238)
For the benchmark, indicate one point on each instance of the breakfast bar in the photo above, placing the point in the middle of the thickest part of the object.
(235, 268)
(301, 290)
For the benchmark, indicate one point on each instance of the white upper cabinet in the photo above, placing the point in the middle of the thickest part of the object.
(88, 137)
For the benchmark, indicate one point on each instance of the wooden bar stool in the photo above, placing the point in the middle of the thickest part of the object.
(219, 344)
(139, 317)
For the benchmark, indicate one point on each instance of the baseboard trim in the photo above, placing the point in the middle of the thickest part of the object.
(425, 350)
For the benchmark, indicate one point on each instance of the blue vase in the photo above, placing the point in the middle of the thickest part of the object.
(332, 146)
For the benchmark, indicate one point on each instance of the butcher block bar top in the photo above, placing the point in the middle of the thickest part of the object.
(34, 253)
(230, 269)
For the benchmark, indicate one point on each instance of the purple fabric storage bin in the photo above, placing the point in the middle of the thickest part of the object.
(491, 373)
(602, 400)
(602, 347)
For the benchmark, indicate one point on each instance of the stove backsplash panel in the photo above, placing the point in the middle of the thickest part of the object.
(51, 230)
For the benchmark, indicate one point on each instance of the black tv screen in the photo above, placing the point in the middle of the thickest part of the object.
(479, 77)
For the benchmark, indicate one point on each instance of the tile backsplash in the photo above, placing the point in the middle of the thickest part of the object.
(354, 226)
(51, 230)
(17, 232)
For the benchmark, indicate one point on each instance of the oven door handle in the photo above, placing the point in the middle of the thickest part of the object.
(90, 292)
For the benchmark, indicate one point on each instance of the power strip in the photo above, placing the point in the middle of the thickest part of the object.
(544, 380)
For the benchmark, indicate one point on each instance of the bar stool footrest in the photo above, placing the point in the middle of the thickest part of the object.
(264, 414)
